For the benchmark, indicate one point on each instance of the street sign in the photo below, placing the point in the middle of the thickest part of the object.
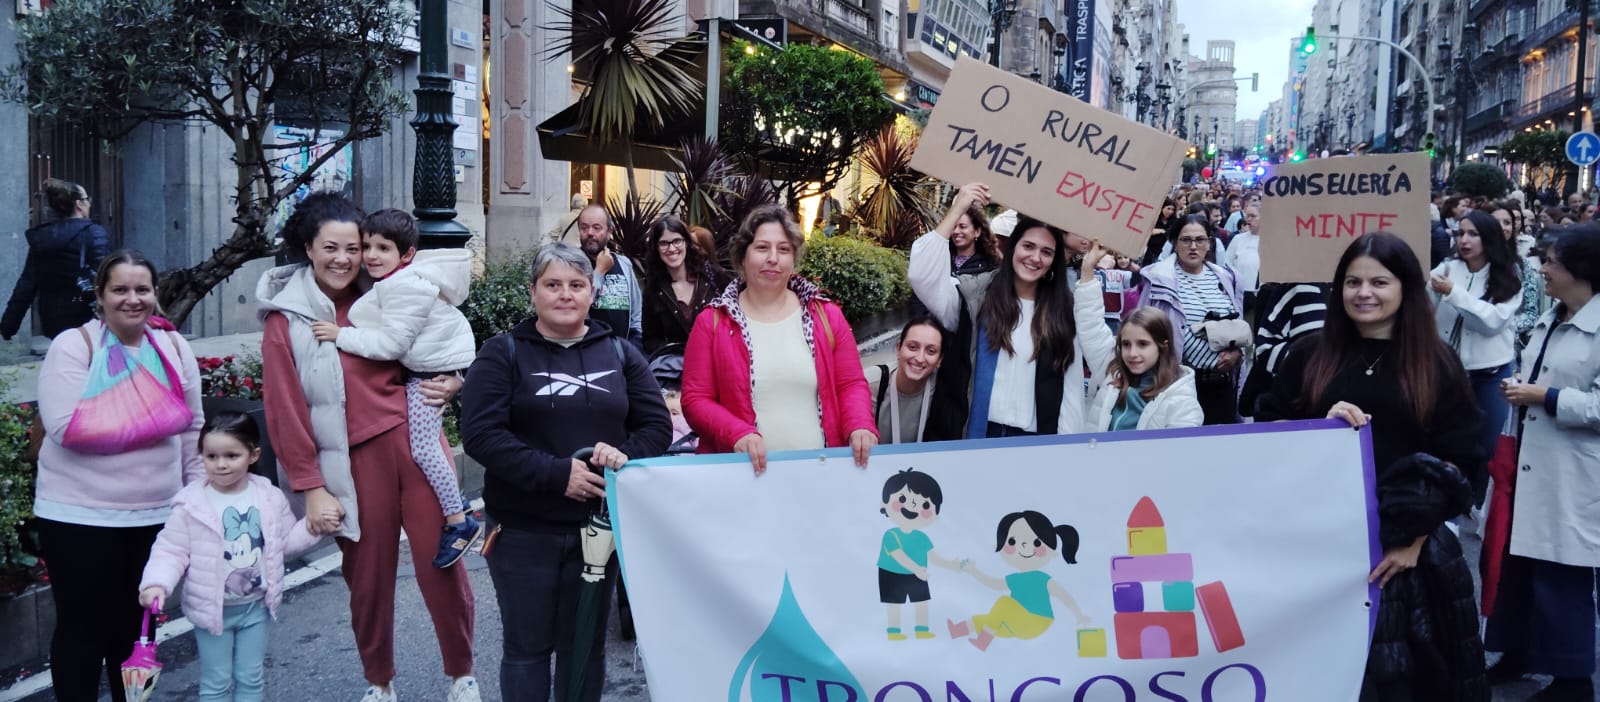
(1583, 148)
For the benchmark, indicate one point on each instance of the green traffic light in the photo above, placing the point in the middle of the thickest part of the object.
(1309, 44)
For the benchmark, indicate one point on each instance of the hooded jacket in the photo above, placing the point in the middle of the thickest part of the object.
(50, 273)
(411, 315)
(191, 546)
(530, 403)
(1176, 406)
(719, 390)
(292, 291)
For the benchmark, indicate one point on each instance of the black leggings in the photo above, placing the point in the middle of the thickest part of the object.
(94, 578)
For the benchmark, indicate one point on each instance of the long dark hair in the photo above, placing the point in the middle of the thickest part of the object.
(1505, 281)
(1415, 338)
(1199, 219)
(987, 242)
(1054, 330)
(655, 271)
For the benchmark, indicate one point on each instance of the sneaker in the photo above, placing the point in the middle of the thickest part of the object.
(376, 694)
(464, 689)
(455, 540)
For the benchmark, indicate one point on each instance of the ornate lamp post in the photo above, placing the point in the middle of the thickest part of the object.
(1001, 12)
(433, 184)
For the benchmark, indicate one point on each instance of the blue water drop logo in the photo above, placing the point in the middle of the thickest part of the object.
(791, 663)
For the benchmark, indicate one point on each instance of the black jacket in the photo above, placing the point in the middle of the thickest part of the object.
(664, 321)
(529, 404)
(51, 274)
(1426, 643)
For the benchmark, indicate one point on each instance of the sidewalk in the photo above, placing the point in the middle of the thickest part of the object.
(20, 368)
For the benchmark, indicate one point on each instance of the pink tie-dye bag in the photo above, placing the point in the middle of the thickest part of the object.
(127, 404)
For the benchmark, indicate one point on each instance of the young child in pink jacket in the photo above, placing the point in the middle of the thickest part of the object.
(227, 537)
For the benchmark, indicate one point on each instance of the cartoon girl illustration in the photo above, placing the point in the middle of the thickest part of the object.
(242, 540)
(1026, 541)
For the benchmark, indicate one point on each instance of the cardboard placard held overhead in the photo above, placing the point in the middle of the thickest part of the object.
(1312, 210)
(1050, 155)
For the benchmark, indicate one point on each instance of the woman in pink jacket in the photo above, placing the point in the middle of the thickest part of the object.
(227, 538)
(771, 365)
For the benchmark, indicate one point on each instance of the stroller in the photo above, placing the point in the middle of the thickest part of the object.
(666, 365)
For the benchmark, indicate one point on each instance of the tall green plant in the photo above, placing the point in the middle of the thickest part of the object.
(799, 113)
(704, 172)
(633, 216)
(638, 71)
(895, 208)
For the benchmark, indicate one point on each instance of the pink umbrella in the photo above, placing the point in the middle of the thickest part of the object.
(140, 671)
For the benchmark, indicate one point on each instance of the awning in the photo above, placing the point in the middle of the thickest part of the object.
(562, 138)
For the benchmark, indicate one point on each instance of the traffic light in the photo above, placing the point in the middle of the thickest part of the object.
(1429, 143)
(1297, 156)
(1308, 44)
(1211, 150)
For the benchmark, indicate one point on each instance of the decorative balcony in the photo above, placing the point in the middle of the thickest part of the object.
(1489, 117)
(1558, 101)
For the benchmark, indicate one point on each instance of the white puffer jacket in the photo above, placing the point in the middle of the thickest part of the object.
(411, 315)
(1176, 407)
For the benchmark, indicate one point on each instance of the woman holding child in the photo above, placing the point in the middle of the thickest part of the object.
(338, 424)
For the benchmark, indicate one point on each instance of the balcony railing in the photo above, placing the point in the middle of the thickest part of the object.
(1478, 7)
(1557, 26)
(851, 16)
(1494, 115)
(1559, 99)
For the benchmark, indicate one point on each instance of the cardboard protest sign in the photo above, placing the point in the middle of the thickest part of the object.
(1311, 211)
(1050, 155)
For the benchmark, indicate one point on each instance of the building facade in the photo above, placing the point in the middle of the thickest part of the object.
(1147, 61)
(1212, 96)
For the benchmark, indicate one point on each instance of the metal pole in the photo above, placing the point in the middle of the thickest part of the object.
(1574, 172)
(713, 76)
(433, 181)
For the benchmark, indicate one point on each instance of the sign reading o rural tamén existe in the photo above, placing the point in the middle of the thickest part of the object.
(1049, 155)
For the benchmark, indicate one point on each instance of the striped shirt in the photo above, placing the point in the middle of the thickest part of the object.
(1200, 293)
(1286, 312)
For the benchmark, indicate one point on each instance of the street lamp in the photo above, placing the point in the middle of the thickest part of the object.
(1001, 13)
(433, 181)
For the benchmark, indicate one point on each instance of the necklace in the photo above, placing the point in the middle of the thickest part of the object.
(1374, 363)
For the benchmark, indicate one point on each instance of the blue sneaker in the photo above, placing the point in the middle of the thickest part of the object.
(455, 540)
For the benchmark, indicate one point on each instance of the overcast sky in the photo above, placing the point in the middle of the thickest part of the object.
(1260, 30)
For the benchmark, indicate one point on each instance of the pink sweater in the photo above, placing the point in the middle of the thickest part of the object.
(142, 479)
(191, 547)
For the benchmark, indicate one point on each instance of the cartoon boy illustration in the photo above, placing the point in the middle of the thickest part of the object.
(911, 500)
(1026, 541)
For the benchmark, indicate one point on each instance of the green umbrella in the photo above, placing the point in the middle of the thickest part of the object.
(598, 547)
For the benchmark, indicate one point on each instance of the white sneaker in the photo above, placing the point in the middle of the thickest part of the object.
(464, 689)
(376, 694)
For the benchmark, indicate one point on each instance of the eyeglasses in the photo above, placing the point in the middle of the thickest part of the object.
(670, 244)
(1193, 242)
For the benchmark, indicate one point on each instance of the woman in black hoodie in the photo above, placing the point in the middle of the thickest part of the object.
(60, 252)
(535, 395)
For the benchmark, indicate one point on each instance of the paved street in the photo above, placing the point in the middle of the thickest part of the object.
(313, 655)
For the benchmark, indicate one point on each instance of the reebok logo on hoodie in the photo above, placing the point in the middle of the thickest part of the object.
(565, 385)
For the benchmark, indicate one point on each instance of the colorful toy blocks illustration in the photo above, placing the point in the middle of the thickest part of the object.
(1147, 533)
(1150, 635)
(1165, 568)
(1220, 618)
(1177, 597)
(1091, 643)
(1172, 632)
(1128, 597)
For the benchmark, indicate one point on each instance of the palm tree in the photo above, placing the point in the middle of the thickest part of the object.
(638, 73)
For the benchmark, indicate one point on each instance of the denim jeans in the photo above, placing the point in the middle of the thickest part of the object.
(537, 583)
(237, 657)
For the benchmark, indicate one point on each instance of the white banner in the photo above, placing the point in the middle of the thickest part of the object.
(1219, 563)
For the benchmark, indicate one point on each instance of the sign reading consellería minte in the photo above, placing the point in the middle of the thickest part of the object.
(1049, 155)
(1312, 210)
(1151, 565)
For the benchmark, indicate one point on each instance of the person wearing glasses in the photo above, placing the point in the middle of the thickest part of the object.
(1193, 291)
(63, 255)
(679, 281)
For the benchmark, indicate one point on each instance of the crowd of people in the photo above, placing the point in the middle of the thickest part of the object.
(1023, 328)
